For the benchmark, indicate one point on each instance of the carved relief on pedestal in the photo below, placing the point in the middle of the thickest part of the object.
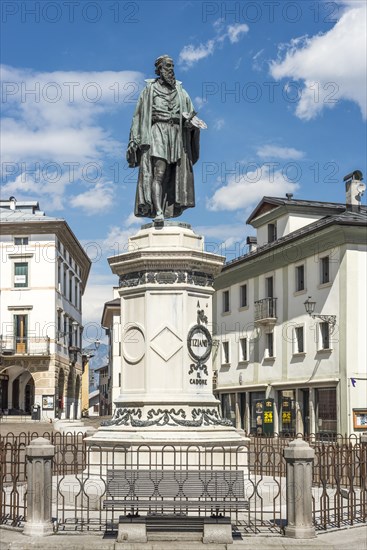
(165, 277)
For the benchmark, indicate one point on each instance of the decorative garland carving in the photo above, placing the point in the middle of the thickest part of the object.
(164, 277)
(166, 417)
(199, 368)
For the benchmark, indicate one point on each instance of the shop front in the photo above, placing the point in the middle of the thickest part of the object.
(283, 411)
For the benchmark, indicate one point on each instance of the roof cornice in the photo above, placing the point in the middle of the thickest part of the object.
(274, 255)
(62, 231)
(279, 206)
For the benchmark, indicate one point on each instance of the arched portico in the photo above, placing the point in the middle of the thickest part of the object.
(17, 390)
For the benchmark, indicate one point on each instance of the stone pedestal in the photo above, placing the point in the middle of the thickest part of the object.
(217, 530)
(166, 287)
(132, 530)
(39, 455)
(299, 457)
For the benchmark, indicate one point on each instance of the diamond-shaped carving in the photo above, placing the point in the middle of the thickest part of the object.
(166, 343)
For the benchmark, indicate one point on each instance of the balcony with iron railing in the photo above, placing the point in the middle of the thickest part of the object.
(266, 311)
(32, 345)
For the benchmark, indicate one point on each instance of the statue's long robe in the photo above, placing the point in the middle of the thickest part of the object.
(178, 187)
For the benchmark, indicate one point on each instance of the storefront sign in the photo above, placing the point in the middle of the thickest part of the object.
(264, 411)
(268, 417)
(286, 412)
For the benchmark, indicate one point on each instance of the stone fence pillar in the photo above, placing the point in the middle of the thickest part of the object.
(39, 455)
(299, 457)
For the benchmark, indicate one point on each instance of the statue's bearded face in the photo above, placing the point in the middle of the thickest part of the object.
(167, 72)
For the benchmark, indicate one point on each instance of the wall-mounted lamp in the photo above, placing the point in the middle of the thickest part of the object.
(87, 351)
(310, 308)
(73, 354)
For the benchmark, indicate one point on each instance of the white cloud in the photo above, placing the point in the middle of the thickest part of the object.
(22, 142)
(227, 240)
(274, 151)
(200, 102)
(117, 240)
(219, 123)
(114, 243)
(41, 183)
(219, 24)
(235, 31)
(66, 98)
(51, 132)
(331, 65)
(95, 200)
(132, 220)
(93, 301)
(258, 60)
(238, 63)
(248, 189)
(191, 54)
(100, 285)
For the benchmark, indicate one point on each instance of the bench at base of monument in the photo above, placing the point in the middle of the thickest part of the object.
(175, 527)
(168, 499)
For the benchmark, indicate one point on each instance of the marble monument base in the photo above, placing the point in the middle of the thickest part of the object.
(165, 289)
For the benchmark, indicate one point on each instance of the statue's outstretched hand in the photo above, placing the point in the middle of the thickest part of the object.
(192, 121)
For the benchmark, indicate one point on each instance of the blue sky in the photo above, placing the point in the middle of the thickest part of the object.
(281, 86)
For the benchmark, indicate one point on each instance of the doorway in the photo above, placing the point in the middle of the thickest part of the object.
(20, 333)
(29, 396)
(306, 411)
(15, 394)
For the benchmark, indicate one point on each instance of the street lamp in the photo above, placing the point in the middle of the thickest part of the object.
(310, 308)
(96, 344)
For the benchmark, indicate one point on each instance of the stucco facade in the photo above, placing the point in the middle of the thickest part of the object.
(43, 277)
(308, 374)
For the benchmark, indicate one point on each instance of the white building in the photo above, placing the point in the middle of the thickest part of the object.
(44, 271)
(278, 368)
(111, 322)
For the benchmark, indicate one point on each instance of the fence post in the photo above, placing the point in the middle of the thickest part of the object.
(363, 461)
(39, 455)
(299, 457)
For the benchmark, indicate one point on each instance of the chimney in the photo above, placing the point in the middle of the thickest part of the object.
(252, 243)
(13, 203)
(354, 189)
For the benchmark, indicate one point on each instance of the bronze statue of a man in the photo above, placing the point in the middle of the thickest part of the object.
(164, 143)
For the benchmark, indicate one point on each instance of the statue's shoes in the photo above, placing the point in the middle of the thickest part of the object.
(159, 218)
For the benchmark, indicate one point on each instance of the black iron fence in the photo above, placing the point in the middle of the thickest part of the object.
(79, 479)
